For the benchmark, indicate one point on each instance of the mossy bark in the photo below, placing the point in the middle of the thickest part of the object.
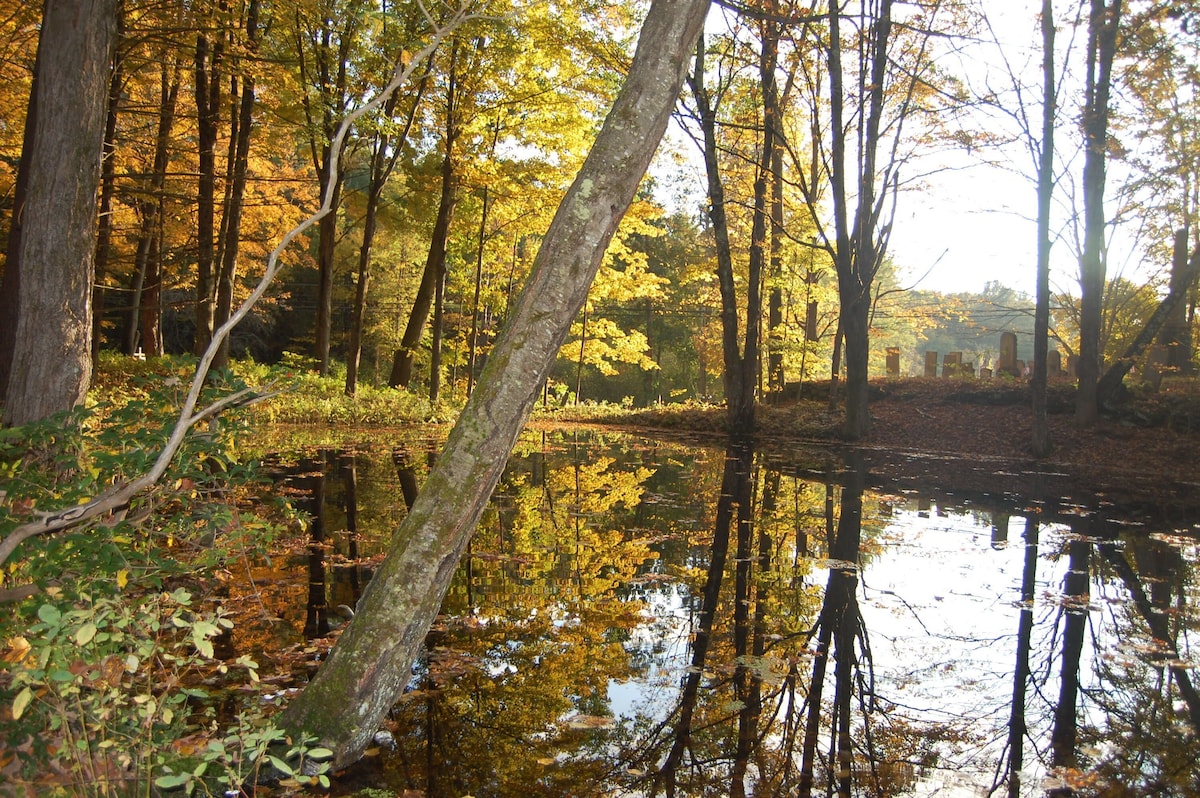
(371, 664)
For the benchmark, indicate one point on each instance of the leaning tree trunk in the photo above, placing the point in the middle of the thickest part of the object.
(52, 364)
(1106, 388)
(372, 662)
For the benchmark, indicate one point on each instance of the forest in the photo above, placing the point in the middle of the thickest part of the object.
(461, 211)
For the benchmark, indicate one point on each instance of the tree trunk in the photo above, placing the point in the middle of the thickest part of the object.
(1066, 723)
(436, 331)
(108, 188)
(740, 407)
(1017, 726)
(372, 661)
(435, 261)
(52, 365)
(473, 343)
(1042, 444)
(1176, 334)
(10, 282)
(209, 58)
(324, 77)
(327, 231)
(145, 316)
(1103, 23)
(232, 218)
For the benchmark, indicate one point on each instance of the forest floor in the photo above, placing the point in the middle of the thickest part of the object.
(972, 436)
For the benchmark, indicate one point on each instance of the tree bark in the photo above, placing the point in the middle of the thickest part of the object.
(1103, 23)
(435, 260)
(383, 161)
(232, 217)
(326, 79)
(1176, 333)
(52, 364)
(145, 315)
(209, 59)
(10, 283)
(740, 407)
(371, 663)
(1042, 443)
(108, 189)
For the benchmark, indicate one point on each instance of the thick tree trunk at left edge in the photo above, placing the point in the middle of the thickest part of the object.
(372, 661)
(52, 362)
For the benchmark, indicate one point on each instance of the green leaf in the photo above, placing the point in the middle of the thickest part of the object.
(319, 753)
(172, 781)
(49, 614)
(280, 765)
(85, 634)
(21, 702)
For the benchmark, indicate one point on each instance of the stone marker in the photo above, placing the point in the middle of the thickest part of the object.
(952, 364)
(1008, 355)
(893, 361)
(931, 363)
(1053, 364)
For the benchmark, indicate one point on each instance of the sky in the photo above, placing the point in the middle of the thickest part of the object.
(972, 222)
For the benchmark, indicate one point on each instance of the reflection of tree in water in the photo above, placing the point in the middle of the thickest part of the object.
(767, 739)
(1141, 689)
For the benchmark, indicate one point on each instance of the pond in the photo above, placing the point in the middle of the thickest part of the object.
(639, 617)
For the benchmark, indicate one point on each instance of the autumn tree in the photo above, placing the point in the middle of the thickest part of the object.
(327, 44)
(51, 349)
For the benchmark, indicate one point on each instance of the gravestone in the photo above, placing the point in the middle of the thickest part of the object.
(1008, 355)
(1053, 364)
(952, 364)
(985, 373)
(931, 364)
(1072, 366)
(893, 361)
(1156, 365)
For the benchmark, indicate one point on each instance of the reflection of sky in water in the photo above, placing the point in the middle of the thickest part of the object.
(940, 595)
(941, 605)
(661, 647)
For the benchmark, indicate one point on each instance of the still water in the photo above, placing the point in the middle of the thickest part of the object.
(638, 617)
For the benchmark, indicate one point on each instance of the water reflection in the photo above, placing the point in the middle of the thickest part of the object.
(643, 618)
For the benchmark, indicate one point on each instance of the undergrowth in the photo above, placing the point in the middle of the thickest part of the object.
(109, 666)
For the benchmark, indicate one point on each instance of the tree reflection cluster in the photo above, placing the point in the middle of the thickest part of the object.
(642, 618)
